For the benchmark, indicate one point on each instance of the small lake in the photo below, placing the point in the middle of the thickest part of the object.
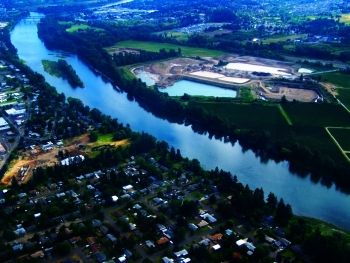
(198, 89)
(146, 77)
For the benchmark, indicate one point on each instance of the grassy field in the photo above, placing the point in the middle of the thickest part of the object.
(345, 18)
(180, 36)
(81, 27)
(317, 115)
(283, 38)
(155, 47)
(342, 81)
(257, 116)
(297, 122)
(337, 78)
(342, 136)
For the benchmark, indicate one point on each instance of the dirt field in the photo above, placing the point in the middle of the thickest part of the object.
(291, 94)
(31, 159)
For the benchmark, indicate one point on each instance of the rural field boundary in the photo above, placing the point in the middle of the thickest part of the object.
(345, 152)
(285, 115)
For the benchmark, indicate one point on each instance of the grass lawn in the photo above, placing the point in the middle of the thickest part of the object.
(343, 137)
(156, 46)
(283, 38)
(317, 115)
(81, 27)
(180, 36)
(345, 18)
(255, 116)
(104, 138)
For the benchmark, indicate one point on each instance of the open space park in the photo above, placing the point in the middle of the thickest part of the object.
(156, 46)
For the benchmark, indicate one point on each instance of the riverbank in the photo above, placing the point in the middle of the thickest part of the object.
(272, 176)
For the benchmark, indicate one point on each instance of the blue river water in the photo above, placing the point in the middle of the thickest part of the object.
(306, 197)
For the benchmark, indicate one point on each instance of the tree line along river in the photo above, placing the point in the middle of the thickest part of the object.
(305, 197)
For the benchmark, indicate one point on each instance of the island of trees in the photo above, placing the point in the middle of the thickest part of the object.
(62, 69)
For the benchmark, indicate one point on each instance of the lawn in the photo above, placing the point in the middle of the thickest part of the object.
(345, 18)
(180, 36)
(317, 115)
(156, 46)
(255, 116)
(342, 136)
(81, 27)
(283, 38)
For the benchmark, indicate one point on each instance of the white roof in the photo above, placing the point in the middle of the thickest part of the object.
(241, 242)
(216, 247)
(3, 122)
(128, 187)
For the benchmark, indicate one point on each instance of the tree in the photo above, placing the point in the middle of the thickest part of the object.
(271, 202)
(62, 249)
(93, 136)
(283, 213)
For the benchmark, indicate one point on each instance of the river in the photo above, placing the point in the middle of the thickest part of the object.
(306, 197)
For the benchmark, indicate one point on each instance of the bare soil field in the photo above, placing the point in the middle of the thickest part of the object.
(22, 167)
(276, 93)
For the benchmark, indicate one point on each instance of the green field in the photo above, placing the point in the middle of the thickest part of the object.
(155, 47)
(337, 78)
(180, 36)
(81, 27)
(283, 38)
(342, 81)
(317, 115)
(345, 18)
(255, 116)
(342, 136)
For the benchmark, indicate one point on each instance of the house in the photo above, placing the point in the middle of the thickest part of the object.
(20, 231)
(71, 160)
(150, 244)
(181, 253)
(162, 241)
(216, 237)
(192, 227)
(2, 197)
(111, 238)
(228, 232)
(208, 217)
(96, 223)
(216, 247)
(122, 259)
(17, 247)
(167, 260)
(100, 257)
(202, 223)
(128, 188)
(205, 242)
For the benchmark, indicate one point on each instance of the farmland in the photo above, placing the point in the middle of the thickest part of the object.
(337, 78)
(155, 47)
(246, 115)
(342, 135)
(317, 115)
(342, 83)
